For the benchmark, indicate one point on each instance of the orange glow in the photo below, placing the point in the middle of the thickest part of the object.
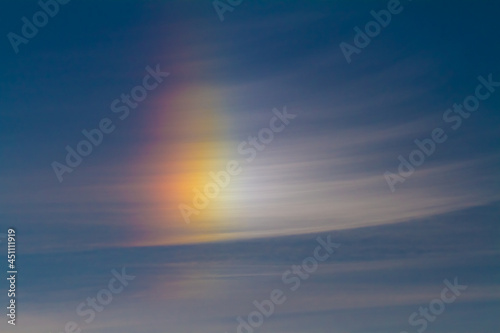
(190, 144)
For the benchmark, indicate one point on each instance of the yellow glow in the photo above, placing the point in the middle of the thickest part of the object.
(191, 145)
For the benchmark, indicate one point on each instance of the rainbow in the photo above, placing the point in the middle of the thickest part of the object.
(190, 140)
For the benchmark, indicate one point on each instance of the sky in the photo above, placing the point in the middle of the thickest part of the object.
(206, 148)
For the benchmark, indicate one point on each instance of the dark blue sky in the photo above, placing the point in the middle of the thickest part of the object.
(346, 162)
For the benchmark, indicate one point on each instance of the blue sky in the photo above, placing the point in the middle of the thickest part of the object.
(323, 174)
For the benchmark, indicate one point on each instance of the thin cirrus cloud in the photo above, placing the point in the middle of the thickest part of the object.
(308, 177)
(209, 285)
(193, 124)
(322, 175)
